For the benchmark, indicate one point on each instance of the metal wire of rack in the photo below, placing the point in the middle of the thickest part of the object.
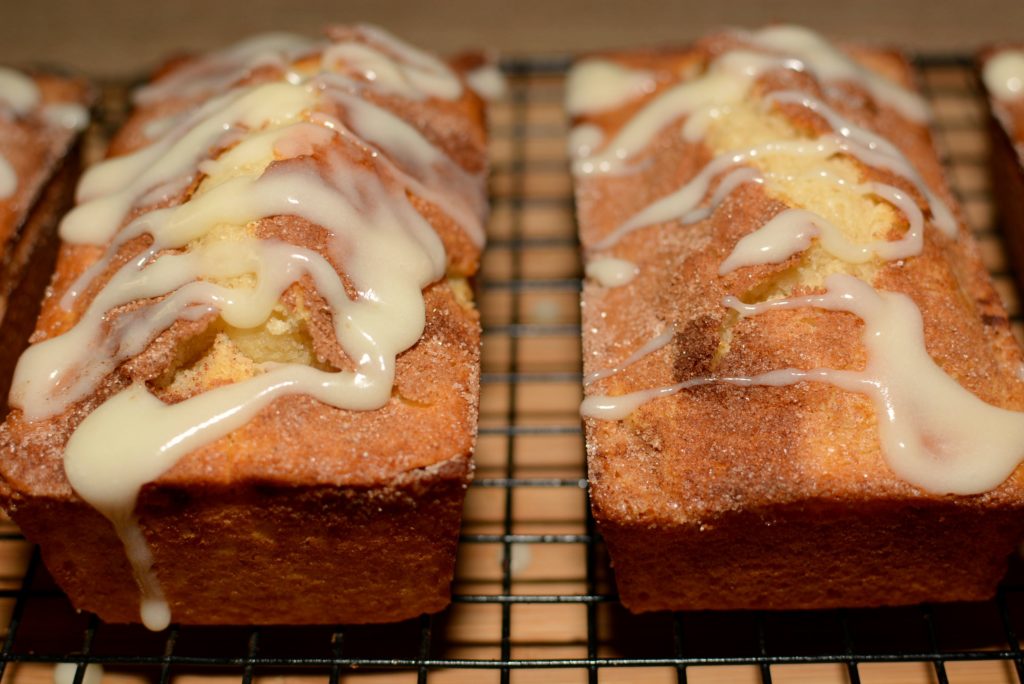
(533, 597)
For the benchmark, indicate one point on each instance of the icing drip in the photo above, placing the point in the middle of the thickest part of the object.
(488, 82)
(831, 66)
(250, 151)
(108, 190)
(8, 179)
(611, 272)
(392, 66)
(18, 92)
(682, 205)
(20, 97)
(219, 71)
(69, 115)
(874, 150)
(649, 347)
(1004, 75)
(728, 79)
(790, 233)
(929, 425)
(584, 140)
(424, 168)
(935, 434)
(596, 85)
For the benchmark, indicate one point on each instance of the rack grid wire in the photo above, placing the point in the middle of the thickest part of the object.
(533, 596)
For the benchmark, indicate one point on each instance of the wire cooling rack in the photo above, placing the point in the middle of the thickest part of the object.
(533, 596)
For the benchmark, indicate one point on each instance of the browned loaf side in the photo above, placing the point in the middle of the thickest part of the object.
(723, 497)
(308, 513)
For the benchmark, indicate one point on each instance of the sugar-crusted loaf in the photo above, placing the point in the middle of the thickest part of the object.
(802, 388)
(252, 394)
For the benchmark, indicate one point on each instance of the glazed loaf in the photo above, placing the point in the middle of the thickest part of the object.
(41, 116)
(1002, 78)
(252, 394)
(802, 390)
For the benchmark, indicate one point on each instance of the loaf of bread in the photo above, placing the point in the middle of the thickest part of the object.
(1002, 78)
(801, 388)
(41, 116)
(252, 394)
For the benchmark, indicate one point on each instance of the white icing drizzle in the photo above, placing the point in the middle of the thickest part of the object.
(831, 65)
(790, 232)
(596, 85)
(69, 115)
(682, 204)
(427, 170)
(397, 68)
(584, 139)
(488, 82)
(1004, 75)
(935, 434)
(18, 92)
(386, 248)
(368, 52)
(219, 71)
(873, 150)
(156, 128)
(649, 347)
(8, 179)
(108, 190)
(727, 80)
(611, 272)
(19, 97)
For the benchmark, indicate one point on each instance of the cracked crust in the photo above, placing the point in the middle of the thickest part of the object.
(723, 497)
(307, 514)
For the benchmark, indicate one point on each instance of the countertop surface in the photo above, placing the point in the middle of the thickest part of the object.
(129, 37)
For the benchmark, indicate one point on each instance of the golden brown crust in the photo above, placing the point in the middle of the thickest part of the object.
(313, 553)
(726, 497)
(336, 515)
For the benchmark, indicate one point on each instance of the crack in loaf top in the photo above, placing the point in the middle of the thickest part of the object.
(288, 198)
(780, 214)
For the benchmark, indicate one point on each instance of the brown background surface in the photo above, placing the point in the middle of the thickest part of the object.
(128, 37)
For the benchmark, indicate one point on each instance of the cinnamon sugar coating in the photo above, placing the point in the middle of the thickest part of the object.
(309, 513)
(725, 497)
